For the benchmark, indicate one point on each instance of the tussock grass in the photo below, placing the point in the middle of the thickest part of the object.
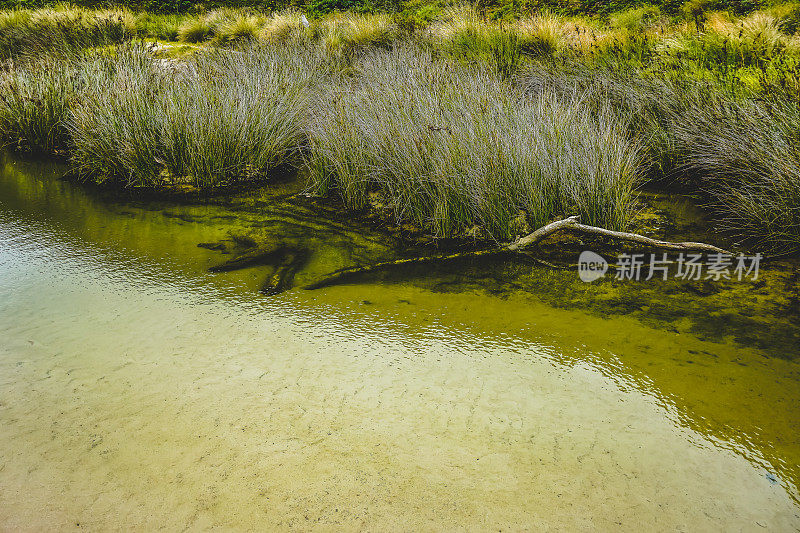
(114, 128)
(542, 35)
(66, 30)
(231, 116)
(746, 152)
(34, 105)
(196, 30)
(228, 27)
(461, 33)
(453, 146)
(741, 149)
(285, 26)
(728, 43)
(241, 30)
(646, 105)
(476, 125)
(347, 35)
(453, 20)
(638, 19)
(163, 27)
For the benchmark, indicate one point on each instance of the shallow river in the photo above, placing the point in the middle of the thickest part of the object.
(140, 391)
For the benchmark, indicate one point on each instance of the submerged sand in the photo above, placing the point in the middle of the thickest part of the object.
(139, 392)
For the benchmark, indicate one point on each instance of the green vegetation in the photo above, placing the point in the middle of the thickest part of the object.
(746, 152)
(161, 27)
(454, 123)
(197, 30)
(493, 8)
(453, 146)
(62, 30)
(221, 118)
(34, 104)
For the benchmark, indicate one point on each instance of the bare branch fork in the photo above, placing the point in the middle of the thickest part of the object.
(570, 223)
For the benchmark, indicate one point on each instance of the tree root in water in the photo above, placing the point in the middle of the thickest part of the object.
(248, 259)
(283, 278)
(287, 261)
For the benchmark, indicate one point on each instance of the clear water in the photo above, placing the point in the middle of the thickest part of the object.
(139, 391)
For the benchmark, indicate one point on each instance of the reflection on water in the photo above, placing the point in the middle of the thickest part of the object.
(137, 388)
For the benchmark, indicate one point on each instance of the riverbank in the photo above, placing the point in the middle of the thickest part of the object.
(458, 128)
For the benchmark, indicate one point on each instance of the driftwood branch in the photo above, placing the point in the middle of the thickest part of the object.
(542, 233)
(651, 243)
(572, 223)
(528, 241)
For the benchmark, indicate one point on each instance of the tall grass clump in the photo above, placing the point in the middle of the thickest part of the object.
(348, 35)
(542, 35)
(241, 30)
(230, 116)
(33, 106)
(727, 43)
(649, 106)
(284, 26)
(636, 19)
(739, 148)
(453, 146)
(226, 26)
(462, 34)
(67, 29)
(164, 27)
(746, 154)
(196, 30)
(35, 100)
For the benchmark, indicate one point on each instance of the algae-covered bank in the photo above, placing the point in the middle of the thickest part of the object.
(138, 390)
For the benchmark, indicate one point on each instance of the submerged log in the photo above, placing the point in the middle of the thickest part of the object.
(249, 259)
(287, 261)
(344, 274)
(570, 223)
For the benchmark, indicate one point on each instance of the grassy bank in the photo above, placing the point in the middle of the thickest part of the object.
(453, 146)
(738, 147)
(456, 124)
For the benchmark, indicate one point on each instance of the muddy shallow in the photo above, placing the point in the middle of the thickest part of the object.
(138, 390)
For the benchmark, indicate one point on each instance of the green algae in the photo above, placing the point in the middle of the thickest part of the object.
(253, 231)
